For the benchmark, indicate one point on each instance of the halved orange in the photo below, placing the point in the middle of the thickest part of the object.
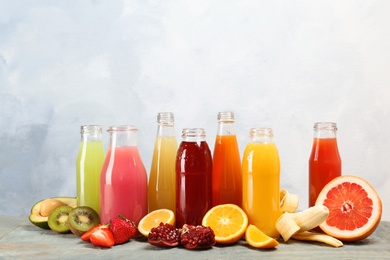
(154, 218)
(228, 221)
(256, 238)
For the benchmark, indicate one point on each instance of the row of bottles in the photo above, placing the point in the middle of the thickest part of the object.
(187, 178)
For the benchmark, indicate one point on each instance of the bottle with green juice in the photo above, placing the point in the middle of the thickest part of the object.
(89, 164)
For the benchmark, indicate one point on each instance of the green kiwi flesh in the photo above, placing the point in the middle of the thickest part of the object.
(58, 219)
(81, 219)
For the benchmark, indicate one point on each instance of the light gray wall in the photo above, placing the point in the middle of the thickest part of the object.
(279, 64)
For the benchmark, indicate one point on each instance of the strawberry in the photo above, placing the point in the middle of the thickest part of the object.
(86, 235)
(122, 229)
(102, 237)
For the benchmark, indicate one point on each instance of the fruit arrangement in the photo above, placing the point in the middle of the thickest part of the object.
(348, 209)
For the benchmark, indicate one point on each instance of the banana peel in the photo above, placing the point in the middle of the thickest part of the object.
(318, 237)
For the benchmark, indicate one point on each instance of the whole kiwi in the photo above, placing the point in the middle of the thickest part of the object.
(81, 219)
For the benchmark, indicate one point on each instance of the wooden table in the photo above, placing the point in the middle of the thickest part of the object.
(19, 239)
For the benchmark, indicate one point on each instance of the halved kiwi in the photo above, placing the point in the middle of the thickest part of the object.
(58, 219)
(81, 219)
(41, 221)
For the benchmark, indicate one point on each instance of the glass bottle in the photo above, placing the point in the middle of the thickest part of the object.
(261, 181)
(324, 161)
(226, 176)
(123, 182)
(162, 177)
(193, 177)
(88, 167)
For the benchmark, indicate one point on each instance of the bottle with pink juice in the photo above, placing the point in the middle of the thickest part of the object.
(123, 180)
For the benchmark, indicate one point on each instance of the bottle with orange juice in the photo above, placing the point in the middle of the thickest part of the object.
(226, 176)
(261, 181)
(162, 177)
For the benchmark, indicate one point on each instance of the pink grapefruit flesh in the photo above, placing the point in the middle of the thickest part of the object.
(355, 208)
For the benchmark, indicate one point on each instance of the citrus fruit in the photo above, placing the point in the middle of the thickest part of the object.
(355, 208)
(154, 218)
(228, 221)
(256, 238)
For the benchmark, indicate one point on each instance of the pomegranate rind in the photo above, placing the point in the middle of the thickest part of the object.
(355, 208)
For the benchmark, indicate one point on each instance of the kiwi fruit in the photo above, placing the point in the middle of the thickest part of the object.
(58, 219)
(81, 219)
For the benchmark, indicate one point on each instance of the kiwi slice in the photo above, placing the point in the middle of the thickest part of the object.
(58, 219)
(81, 219)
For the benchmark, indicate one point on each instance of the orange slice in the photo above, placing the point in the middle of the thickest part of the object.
(154, 218)
(256, 238)
(228, 221)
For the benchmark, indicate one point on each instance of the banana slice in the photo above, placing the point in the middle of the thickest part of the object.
(288, 202)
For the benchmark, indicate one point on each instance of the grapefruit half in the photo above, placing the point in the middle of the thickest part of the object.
(355, 208)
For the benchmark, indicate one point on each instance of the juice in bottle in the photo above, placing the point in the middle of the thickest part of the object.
(88, 167)
(325, 161)
(226, 176)
(162, 180)
(123, 178)
(261, 181)
(193, 178)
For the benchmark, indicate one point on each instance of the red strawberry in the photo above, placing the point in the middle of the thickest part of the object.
(86, 235)
(122, 229)
(102, 237)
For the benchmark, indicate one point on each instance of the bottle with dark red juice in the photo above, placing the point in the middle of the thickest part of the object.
(193, 177)
(325, 161)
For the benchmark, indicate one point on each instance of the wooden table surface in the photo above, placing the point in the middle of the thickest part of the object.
(19, 239)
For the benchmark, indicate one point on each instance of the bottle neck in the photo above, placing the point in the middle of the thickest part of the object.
(193, 135)
(90, 133)
(261, 135)
(226, 123)
(166, 124)
(226, 128)
(121, 136)
(165, 130)
(325, 130)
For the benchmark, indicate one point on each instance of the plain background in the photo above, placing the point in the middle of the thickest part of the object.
(278, 64)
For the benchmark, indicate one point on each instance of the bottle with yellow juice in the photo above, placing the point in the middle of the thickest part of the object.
(261, 181)
(162, 177)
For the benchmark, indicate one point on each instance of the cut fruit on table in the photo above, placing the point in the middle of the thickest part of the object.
(154, 218)
(81, 219)
(40, 211)
(228, 221)
(290, 224)
(355, 208)
(256, 238)
(58, 219)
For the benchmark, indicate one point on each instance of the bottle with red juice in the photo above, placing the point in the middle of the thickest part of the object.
(325, 161)
(193, 177)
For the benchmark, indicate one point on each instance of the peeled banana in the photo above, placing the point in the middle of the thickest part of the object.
(295, 225)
